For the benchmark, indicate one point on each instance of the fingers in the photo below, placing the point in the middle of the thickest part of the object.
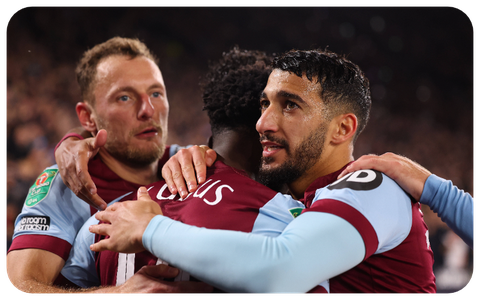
(160, 271)
(95, 201)
(203, 157)
(194, 287)
(192, 160)
(100, 246)
(100, 229)
(105, 215)
(365, 162)
(73, 157)
(100, 139)
(142, 194)
(87, 190)
(168, 177)
(200, 167)
(85, 186)
(177, 170)
(210, 157)
(187, 169)
(172, 174)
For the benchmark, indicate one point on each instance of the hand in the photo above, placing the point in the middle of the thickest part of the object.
(72, 158)
(184, 165)
(126, 223)
(148, 280)
(407, 173)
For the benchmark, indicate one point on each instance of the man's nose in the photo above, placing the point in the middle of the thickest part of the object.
(146, 109)
(268, 121)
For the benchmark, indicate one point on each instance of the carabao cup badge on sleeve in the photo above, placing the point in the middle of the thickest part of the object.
(40, 188)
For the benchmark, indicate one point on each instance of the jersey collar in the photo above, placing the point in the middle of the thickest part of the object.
(319, 183)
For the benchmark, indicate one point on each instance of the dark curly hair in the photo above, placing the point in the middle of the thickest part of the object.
(343, 86)
(232, 87)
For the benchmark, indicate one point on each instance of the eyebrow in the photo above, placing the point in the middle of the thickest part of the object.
(129, 88)
(284, 94)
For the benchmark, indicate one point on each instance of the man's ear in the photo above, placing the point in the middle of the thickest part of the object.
(84, 113)
(345, 128)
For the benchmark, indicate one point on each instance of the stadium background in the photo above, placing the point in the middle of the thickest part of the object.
(419, 62)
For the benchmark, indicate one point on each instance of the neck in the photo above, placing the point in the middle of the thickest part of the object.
(239, 149)
(331, 161)
(143, 175)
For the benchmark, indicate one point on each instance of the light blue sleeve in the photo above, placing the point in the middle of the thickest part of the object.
(80, 266)
(379, 199)
(276, 214)
(313, 247)
(64, 210)
(453, 206)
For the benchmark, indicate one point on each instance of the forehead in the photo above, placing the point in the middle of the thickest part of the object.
(281, 81)
(123, 70)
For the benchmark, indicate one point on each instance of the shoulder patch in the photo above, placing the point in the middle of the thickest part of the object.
(39, 190)
(296, 211)
(362, 180)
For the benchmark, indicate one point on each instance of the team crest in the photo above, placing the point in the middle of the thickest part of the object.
(295, 211)
(39, 190)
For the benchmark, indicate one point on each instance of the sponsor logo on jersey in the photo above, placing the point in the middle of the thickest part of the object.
(39, 190)
(362, 180)
(34, 223)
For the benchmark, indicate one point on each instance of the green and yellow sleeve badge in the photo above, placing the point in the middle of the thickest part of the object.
(295, 211)
(39, 190)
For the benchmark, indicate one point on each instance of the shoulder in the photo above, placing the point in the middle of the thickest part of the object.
(373, 196)
(48, 188)
(362, 185)
(54, 206)
(42, 186)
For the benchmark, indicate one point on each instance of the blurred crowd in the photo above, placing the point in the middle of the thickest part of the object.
(421, 121)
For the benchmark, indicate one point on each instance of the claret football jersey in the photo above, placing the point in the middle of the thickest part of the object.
(228, 199)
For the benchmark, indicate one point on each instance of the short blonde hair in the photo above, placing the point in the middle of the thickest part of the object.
(86, 70)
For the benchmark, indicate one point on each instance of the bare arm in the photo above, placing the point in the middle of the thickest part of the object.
(35, 270)
(72, 157)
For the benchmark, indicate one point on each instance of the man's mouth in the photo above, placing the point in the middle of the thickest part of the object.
(270, 148)
(147, 132)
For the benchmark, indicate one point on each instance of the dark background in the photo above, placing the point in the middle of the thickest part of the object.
(419, 62)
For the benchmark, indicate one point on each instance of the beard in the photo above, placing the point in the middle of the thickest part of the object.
(298, 161)
(133, 156)
(129, 153)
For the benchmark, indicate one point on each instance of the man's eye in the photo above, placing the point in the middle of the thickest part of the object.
(124, 98)
(291, 105)
(264, 104)
(156, 94)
